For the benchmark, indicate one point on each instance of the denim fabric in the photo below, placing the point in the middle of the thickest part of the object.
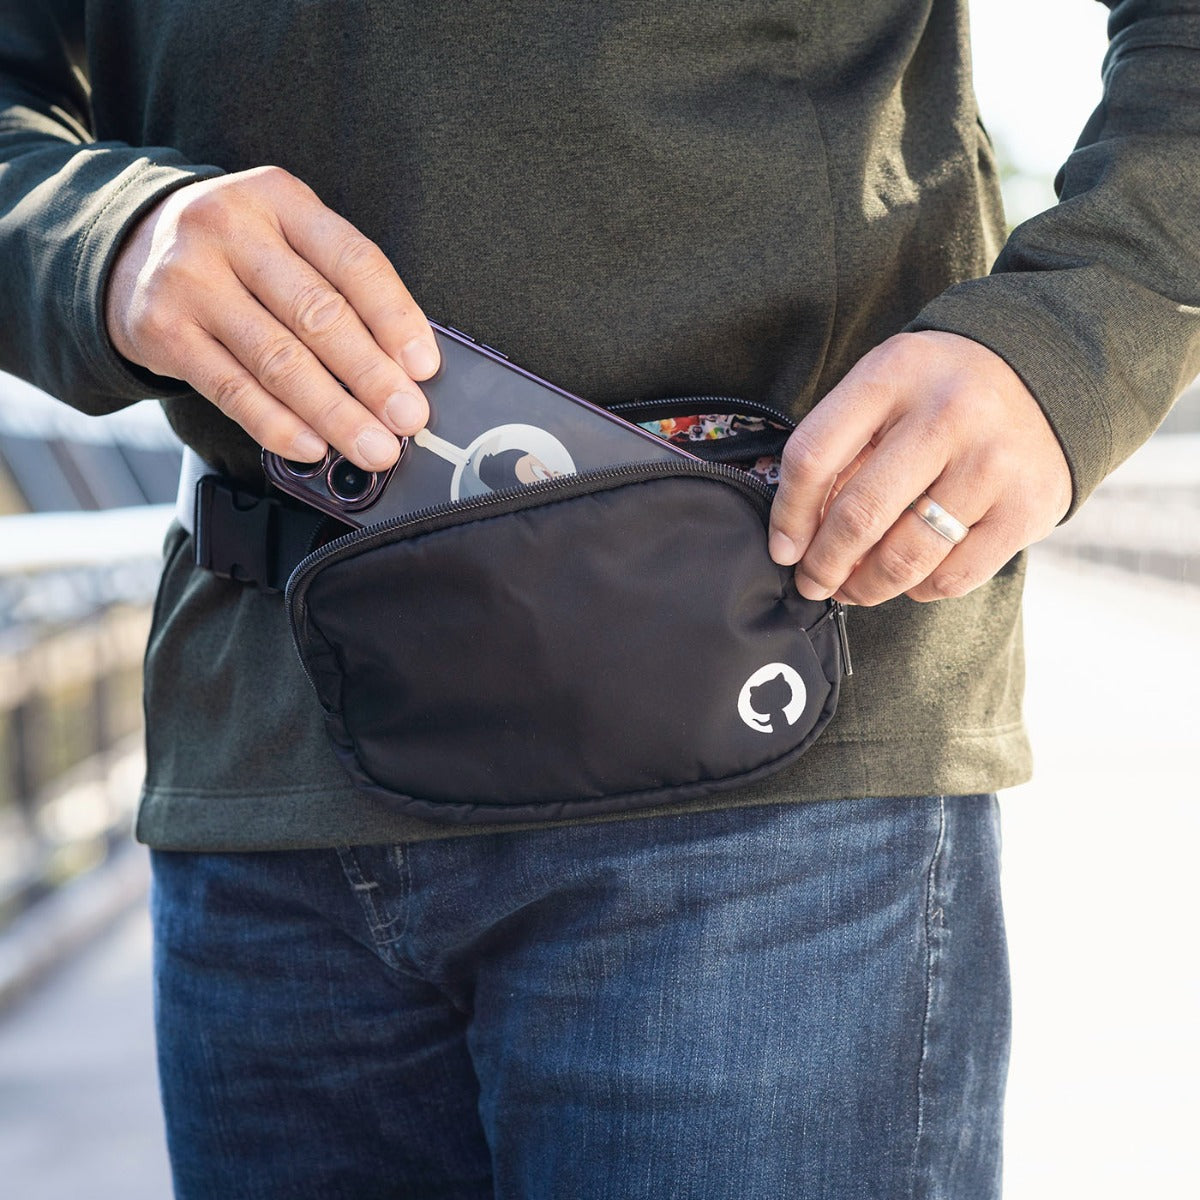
(788, 1001)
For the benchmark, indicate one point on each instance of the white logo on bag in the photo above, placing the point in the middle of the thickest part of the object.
(765, 688)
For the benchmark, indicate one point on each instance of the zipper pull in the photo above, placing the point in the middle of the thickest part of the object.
(839, 615)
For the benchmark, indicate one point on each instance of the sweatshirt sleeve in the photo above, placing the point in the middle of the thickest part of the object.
(1095, 303)
(66, 201)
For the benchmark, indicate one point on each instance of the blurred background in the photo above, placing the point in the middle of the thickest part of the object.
(1098, 849)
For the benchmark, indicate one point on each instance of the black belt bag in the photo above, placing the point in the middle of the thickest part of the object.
(595, 643)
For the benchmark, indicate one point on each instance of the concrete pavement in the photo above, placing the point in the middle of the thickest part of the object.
(79, 1116)
(1100, 889)
(1099, 871)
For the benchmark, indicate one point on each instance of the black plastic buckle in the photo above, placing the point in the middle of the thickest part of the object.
(249, 538)
(232, 531)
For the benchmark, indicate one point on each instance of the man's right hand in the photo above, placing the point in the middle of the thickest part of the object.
(266, 302)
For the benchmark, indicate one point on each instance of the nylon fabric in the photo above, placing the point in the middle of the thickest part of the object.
(567, 657)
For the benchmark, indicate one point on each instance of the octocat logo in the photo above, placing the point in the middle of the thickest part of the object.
(772, 692)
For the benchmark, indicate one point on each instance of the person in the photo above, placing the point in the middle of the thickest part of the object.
(794, 988)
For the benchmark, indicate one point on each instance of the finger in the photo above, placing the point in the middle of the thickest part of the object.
(990, 544)
(846, 474)
(361, 272)
(324, 320)
(219, 377)
(910, 551)
(287, 370)
(820, 448)
(866, 507)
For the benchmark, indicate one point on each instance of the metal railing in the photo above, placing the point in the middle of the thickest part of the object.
(75, 598)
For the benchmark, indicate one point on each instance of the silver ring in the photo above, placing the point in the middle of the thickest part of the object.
(938, 519)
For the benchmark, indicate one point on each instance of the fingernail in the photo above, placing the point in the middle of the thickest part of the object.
(377, 448)
(782, 549)
(307, 447)
(419, 359)
(404, 412)
(810, 589)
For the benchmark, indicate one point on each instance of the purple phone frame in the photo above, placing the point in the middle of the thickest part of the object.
(503, 359)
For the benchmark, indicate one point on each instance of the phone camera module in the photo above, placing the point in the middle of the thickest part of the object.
(348, 482)
(304, 470)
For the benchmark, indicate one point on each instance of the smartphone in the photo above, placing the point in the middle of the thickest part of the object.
(492, 426)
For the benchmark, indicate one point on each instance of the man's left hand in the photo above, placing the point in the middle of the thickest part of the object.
(930, 414)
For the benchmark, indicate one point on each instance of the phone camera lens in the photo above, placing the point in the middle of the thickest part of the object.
(304, 470)
(349, 482)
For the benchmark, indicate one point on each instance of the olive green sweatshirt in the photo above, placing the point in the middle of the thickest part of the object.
(731, 197)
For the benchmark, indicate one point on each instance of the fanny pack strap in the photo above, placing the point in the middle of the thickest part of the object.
(240, 535)
(191, 470)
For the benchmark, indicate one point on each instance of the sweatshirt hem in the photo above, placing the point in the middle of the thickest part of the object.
(177, 818)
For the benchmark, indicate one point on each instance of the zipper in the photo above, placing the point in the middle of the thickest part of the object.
(525, 496)
(839, 615)
(740, 449)
(836, 612)
(689, 405)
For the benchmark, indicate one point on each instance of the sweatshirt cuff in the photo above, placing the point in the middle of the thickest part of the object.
(1045, 359)
(139, 186)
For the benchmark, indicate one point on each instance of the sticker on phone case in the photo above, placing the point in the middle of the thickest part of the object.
(504, 457)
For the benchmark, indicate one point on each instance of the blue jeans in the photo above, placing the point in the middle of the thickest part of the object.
(803, 1001)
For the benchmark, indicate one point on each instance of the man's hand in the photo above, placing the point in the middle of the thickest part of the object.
(927, 413)
(266, 302)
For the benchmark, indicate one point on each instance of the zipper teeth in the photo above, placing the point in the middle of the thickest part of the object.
(367, 536)
(726, 403)
(738, 475)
